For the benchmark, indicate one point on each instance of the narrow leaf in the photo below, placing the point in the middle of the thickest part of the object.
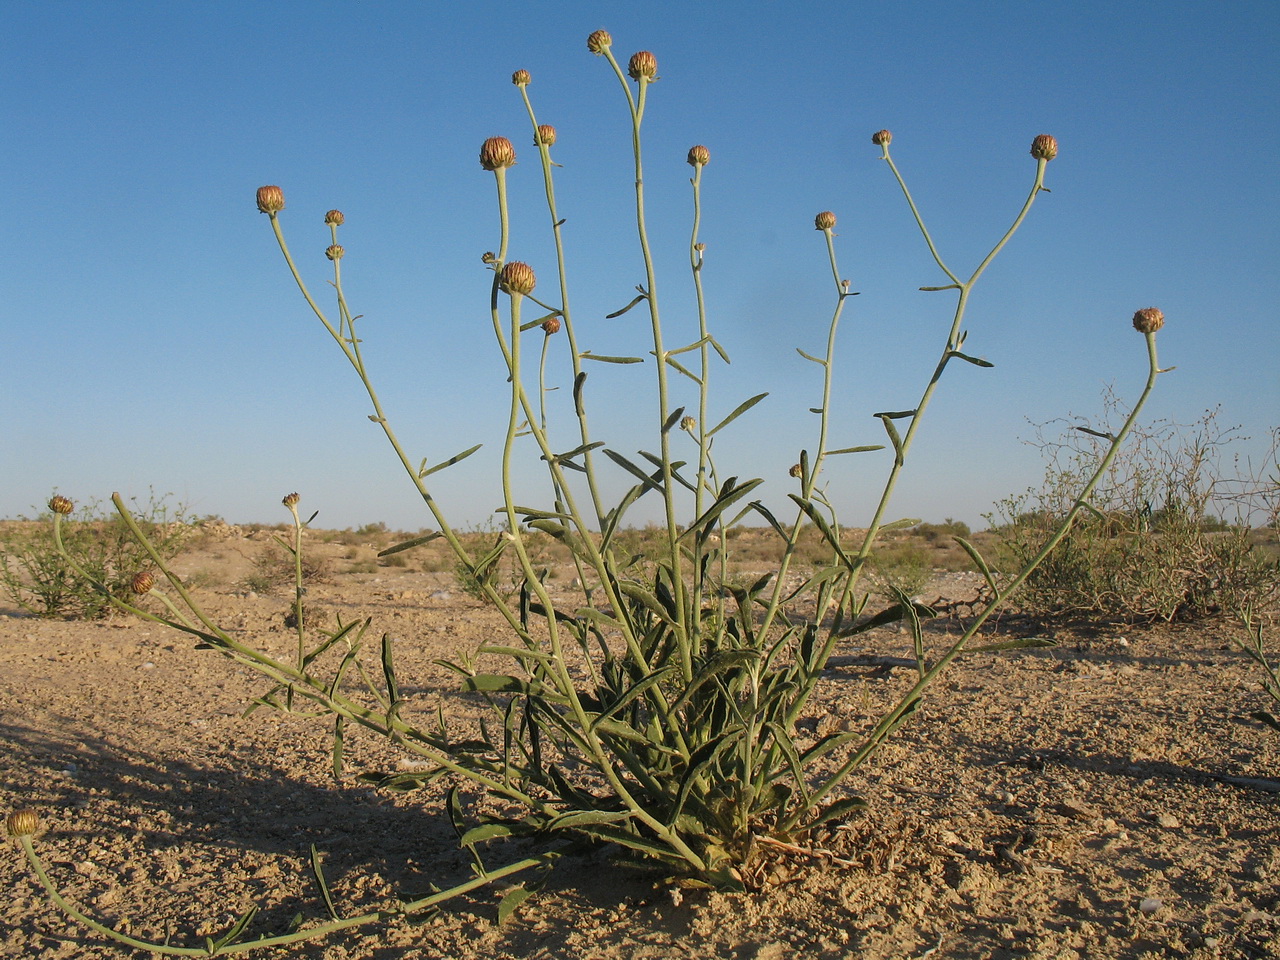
(320, 881)
(603, 359)
(510, 900)
(821, 363)
(456, 458)
(618, 313)
(863, 449)
(738, 411)
(976, 361)
(410, 544)
(980, 563)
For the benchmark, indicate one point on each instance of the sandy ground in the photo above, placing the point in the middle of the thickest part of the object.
(1108, 797)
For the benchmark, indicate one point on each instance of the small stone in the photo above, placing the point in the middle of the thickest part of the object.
(1168, 821)
(1150, 905)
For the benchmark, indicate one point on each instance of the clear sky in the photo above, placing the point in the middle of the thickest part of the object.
(153, 338)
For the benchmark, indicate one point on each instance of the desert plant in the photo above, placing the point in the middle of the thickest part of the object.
(657, 708)
(39, 578)
(1167, 535)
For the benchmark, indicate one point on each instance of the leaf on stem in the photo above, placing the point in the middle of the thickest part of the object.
(320, 881)
(410, 544)
(618, 313)
(979, 562)
(821, 363)
(456, 458)
(863, 449)
(604, 359)
(976, 361)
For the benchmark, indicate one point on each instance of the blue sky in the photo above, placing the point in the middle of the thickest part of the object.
(153, 337)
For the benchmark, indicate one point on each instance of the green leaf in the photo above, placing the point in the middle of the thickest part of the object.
(389, 670)
(510, 900)
(821, 363)
(338, 722)
(410, 544)
(900, 524)
(837, 810)
(1097, 433)
(320, 881)
(1021, 643)
(677, 365)
(234, 933)
(603, 359)
(672, 419)
(456, 458)
(618, 313)
(976, 361)
(864, 449)
(980, 563)
(578, 382)
(693, 346)
(738, 411)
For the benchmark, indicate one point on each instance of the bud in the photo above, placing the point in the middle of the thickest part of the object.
(335, 218)
(1044, 147)
(545, 135)
(291, 500)
(688, 423)
(521, 78)
(488, 257)
(518, 278)
(882, 138)
(22, 823)
(270, 200)
(551, 325)
(824, 221)
(61, 505)
(797, 471)
(334, 252)
(643, 64)
(143, 582)
(599, 41)
(699, 156)
(700, 247)
(1148, 320)
(497, 153)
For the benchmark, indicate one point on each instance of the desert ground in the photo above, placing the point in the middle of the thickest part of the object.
(1107, 797)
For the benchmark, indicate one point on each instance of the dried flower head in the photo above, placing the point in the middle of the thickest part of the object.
(61, 505)
(291, 500)
(643, 64)
(882, 138)
(700, 247)
(599, 41)
(796, 471)
(518, 278)
(488, 257)
(545, 135)
(688, 424)
(22, 823)
(1148, 320)
(824, 221)
(551, 325)
(1044, 147)
(497, 153)
(270, 200)
(699, 156)
(521, 78)
(143, 582)
(335, 218)
(334, 251)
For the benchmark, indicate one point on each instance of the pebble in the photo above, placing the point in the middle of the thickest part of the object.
(1168, 821)
(1150, 905)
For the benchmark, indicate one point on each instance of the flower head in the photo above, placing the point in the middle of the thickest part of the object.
(334, 251)
(545, 135)
(796, 471)
(143, 582)
(335, 218)
(643, 64)
(291, 500)
(270, 200)
(497, 153)
(551, 325)
(1148, 320)
(1044, 147)
(521, 78)
(687, 424)
(22, 823)
(61, 505)
(824, 221)
(699, 156)
(882, 138)
(518, 278)
(599, 41)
